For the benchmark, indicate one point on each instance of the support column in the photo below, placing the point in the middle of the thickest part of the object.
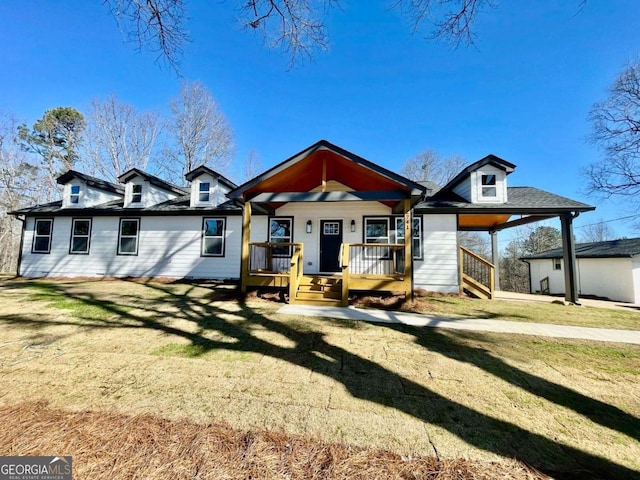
(569, 257)
(408, 248)
(495, 258)
(246, 235)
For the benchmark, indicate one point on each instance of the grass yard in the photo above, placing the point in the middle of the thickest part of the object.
(160, 367)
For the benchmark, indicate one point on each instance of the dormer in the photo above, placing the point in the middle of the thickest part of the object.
(208, 187)
(484, 181)
(82, 191)
(142, 190)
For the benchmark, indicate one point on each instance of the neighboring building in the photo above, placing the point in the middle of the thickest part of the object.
(321, 223)
(605, 269)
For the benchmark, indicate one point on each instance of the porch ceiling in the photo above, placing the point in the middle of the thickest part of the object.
(318, 168)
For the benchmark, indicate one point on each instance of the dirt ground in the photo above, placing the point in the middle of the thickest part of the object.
(192, 353)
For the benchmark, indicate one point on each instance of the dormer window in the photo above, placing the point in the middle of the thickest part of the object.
(489, 186)
(74, 198)
(136, 194)
(204, 192)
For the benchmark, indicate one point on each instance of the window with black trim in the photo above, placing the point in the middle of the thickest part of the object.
(136, 193)
(489, 185)
(128, 236)
(416, 235)
(42, 233)
(213, 233)
(204, 192)
(281, 231)
(376, 230)
(80, 235)
(75, 194)
(557, 264)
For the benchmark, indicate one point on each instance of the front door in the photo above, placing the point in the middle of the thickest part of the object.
(330, 241)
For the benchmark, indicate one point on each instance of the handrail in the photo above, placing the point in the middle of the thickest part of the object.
(295, 273)
(477, 275)
(344, 266)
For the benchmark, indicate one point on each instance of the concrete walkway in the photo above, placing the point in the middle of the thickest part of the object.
(474, 324)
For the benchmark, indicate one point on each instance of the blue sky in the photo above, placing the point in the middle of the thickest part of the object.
(523, 92)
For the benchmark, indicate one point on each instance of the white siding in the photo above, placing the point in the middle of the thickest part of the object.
(635, 265)
(542, 268)
(89, 196)
(345, 211)
(217, 192)
(151, 195)
(438, 271)
(168, 247)
(612, 278)
(501, 185)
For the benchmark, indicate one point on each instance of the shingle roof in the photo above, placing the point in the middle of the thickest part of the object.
(91, 181)
(625, 247)
(204, 169)
(520, 200)
(152, 179)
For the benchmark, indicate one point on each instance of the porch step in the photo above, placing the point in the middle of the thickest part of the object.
(318, 290)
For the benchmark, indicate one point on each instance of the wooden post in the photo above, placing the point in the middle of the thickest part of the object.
(461, 269)
(246, 236)
(408, 248)
(495, 258)
(345, 274)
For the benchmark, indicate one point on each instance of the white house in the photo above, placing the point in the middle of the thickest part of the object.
(604, 269)
(321, 223)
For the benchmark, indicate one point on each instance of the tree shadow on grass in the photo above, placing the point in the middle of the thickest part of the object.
(364, 378)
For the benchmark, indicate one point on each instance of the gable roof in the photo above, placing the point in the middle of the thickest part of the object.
(622, 248)
(490, 159)
(204, 169)
(153, 180)
(91, 181)
(372, 175)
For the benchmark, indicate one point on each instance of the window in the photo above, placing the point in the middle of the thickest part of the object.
(136, 194)
(416, 235)
(331, 228)
(80, 235)
(213, 232)
(557, 264)
(75, 194)
(128, 236)
(42, 231)
(203, 192)
(489, 186)
(281, 231)
(376, 230)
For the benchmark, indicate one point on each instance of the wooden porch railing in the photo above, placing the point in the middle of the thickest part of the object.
(544, 286)
(375, 258)
(295, 273)
(477, 275)
(271, 257)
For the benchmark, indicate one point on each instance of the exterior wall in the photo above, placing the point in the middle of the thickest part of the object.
(168, 247)
(635, 265)
(89, 196)
(501, 185)
(151, 195)
(438, 271)
(345, 211)
(612, 278)
(542, 268)
(217, 192)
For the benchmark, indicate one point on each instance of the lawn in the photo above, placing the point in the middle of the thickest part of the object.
(194, 355)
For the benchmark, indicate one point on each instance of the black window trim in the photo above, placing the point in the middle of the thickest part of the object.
(128, 254)
(420, 237)
(224, 237)
(71, 236)
(392, 228)
(284, 217)
(35, 235)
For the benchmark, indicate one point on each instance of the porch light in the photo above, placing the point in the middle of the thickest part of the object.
(353, 225)
(308, 226)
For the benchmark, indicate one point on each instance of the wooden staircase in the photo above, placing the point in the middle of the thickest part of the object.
(319, 290)
(477, 275)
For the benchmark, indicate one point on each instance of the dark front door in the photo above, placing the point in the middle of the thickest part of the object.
(330, 241)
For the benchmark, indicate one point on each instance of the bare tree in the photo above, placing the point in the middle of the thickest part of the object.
(200, 131)
(428, 165)
(616, 131)
(252, 166)
(298, 27)
(597, 232)
(18, 187)
(119, 137)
